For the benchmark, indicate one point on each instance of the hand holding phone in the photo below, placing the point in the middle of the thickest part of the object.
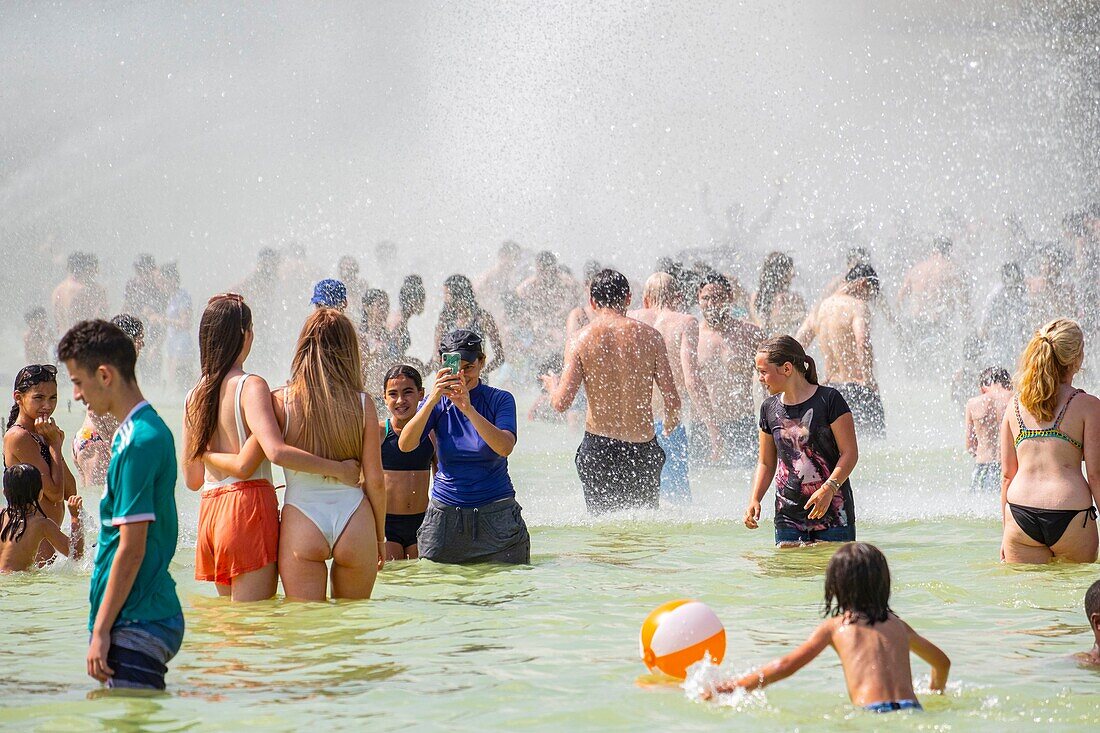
(452, 360)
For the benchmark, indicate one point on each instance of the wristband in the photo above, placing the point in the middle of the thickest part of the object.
(832, 482)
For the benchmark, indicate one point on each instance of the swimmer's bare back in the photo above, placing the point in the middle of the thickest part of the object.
(621, 360)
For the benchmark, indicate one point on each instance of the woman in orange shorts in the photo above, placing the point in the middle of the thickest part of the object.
(238, 538)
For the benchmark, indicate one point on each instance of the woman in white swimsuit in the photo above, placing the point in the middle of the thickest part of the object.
(325, 410)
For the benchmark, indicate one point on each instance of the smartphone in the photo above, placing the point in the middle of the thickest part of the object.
(452, 360)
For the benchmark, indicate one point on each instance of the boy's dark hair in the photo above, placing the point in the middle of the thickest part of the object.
(716, 278)
(1092, 601)
(857, 582)
(610, 289)
(130, 325)
(92, 344)
(995, 375)
(38, 313)
(943, 245)
(403, 370)
(22, 485)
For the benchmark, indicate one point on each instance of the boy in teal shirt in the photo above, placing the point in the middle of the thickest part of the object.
(136, 622)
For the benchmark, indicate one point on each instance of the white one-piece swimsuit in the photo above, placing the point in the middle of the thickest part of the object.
(326, 502)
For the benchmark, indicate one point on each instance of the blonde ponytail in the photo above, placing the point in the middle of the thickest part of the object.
(1053, 349)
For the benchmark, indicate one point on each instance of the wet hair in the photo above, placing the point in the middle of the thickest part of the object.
(775, 277)
(347, 267)
(610, 289)
(942, 245)
(222, 329)
(995, 375)
(857, 583)
(865, 272)
(22, 487)
(1048, 356)
(716, 278)
(403, 370)
(326, 381)
(1092, 601)
(781, 350)
(461, 291)
(38, 313)
(130, 325)
(508, 248)
(661, 290)
(26, 378)
(411, 292)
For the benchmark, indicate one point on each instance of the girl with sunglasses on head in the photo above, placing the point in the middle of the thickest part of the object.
(238, 538)
(34, 438)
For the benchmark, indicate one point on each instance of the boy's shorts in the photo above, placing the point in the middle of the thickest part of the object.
(140, 651)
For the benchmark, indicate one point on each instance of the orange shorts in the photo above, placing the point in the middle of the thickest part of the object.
(238, 530)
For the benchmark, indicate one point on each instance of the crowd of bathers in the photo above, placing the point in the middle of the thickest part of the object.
(393, 455)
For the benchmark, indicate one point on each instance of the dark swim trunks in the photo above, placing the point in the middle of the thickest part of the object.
(402, 528)
(617, 474)
(866, 406)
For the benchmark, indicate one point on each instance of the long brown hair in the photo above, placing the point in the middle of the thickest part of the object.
(1051, 352)
(326, 380)
(224, 323)
(783, 349)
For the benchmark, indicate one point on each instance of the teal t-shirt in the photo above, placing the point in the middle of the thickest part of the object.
(141, 487)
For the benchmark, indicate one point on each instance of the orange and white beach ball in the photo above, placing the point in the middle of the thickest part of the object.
(680, 633)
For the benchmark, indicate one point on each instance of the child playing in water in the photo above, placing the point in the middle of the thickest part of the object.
(872, 642)
(1092, 613)
(23, 524)
(983, 427)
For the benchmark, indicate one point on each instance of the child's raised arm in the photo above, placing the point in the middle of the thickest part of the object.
(785, 666)
(932, 654)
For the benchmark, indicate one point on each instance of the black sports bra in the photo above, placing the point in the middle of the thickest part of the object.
(394, 459)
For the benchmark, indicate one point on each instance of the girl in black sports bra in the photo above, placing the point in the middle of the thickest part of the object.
(1041, 454)
(408, 475)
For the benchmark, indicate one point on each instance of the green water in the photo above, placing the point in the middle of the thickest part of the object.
(554, 646)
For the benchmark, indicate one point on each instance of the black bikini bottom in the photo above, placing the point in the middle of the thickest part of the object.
(1046, 526)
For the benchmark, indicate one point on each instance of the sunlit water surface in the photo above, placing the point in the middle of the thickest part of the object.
(554, 645)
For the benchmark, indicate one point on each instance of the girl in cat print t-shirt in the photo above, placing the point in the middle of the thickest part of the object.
(808, 445)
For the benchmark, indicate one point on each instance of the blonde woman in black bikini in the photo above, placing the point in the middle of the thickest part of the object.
(1047, 504)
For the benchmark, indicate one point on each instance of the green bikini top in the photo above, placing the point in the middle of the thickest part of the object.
(1054, 431)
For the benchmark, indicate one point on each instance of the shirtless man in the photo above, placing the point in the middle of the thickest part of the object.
(79, 297)
(264, 292)
(618, 360)
(727, 347)
(843, 323)
(662, 308)
(984, 414)
(932, 297)
(347, 272)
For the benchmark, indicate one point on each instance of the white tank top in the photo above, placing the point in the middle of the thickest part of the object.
(264, 469)
(298, 481)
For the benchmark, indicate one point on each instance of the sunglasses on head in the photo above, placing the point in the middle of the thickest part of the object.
(34, 374)
(232, 298)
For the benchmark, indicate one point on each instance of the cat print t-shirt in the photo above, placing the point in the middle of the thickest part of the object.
(807, 453)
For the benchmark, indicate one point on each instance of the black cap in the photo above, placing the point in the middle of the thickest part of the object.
(467, 343)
